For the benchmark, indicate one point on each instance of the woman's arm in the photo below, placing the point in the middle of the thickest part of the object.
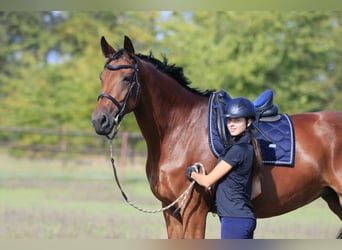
(219, 171)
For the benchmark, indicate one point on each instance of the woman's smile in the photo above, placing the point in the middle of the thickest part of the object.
(236, 125)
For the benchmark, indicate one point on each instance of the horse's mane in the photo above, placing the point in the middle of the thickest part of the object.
(173, 71)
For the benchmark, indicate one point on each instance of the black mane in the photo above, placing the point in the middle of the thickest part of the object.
(173, 71)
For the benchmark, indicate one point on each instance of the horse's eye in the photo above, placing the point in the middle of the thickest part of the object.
(128, 78)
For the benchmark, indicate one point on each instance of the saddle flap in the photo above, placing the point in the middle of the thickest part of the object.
(220, 99)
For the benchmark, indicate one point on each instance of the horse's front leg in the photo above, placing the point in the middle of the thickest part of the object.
(190, 223)
(195, 227)
(186, 226)
(173, 224)
(194, 219)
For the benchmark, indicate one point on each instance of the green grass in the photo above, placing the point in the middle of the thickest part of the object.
(79, 199)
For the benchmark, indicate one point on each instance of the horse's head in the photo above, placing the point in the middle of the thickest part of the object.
(120, 87)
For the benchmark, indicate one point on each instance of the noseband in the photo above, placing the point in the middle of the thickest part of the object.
(118, 117)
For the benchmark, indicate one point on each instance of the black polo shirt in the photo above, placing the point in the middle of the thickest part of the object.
(233, 193)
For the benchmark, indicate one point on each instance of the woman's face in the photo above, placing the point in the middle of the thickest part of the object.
(237, 125)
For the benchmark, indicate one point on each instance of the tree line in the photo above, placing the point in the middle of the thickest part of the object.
(50, 61)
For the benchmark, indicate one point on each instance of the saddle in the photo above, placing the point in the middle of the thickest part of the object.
(273, 131)
(265, 109)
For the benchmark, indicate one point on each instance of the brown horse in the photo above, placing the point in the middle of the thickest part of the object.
(173, 120)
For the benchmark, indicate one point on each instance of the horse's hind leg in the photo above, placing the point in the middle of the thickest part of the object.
(339, 234)
(333, 201)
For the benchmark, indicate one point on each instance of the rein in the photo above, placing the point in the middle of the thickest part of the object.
(182, 197)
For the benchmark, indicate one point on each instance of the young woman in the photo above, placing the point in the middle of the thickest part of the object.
(234, 172)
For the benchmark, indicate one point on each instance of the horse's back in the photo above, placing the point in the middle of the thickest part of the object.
(330, 116)
(319, 135)
(326, 125)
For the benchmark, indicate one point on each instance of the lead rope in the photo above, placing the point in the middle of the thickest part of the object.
(183, 196)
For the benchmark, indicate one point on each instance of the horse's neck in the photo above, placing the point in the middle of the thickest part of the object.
(163, 105)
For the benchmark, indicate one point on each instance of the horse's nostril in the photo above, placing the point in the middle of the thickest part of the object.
(102, 123)
(103, 120)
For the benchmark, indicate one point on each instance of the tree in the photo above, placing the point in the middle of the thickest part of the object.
(50, 61)
(247, 52)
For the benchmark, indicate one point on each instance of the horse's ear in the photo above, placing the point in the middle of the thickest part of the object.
(107, 50)
(128, 46)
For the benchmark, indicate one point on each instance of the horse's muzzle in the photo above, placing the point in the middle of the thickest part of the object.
(102, 123)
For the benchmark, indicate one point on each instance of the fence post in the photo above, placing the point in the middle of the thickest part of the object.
(124, 148)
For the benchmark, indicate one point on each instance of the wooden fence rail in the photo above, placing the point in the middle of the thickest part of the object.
(125, 144)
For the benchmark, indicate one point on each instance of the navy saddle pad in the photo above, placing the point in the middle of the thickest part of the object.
(275, 136)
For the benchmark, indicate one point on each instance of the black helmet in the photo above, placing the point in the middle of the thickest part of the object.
(240, 107)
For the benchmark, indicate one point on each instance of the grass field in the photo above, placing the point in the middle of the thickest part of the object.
(78, 199)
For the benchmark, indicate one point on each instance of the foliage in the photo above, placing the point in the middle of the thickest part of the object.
(248, 52)
(50, 61)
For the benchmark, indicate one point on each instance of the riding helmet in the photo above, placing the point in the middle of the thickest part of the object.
(240, 107)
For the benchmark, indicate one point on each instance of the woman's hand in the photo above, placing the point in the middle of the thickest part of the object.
(190, 170)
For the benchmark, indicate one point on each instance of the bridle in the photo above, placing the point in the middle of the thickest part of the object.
(122, 108)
